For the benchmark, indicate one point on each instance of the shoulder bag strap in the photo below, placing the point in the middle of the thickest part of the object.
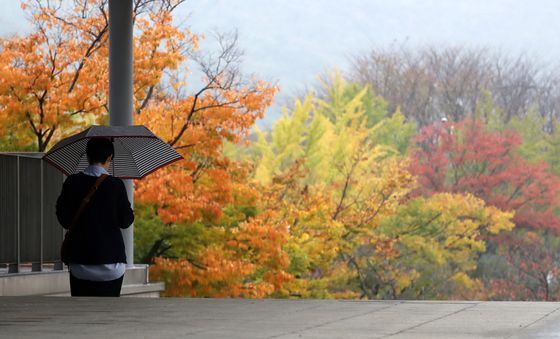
(86, 199)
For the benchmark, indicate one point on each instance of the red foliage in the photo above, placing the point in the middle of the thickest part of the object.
(466, 157)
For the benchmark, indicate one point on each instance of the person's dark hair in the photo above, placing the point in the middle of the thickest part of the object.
(99, 149)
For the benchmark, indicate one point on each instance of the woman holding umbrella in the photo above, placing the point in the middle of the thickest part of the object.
(95, 254)
(93, 205)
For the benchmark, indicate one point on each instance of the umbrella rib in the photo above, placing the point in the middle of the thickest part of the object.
(123, 146)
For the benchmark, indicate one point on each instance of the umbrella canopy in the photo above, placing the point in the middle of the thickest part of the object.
(138, 152)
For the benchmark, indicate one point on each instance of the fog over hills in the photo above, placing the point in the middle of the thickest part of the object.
(292, 41)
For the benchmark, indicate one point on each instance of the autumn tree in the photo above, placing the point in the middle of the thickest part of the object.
(440, 241)
(196, 124)
(465, 157)
(314, 122)
(433, 82)
(54, 79)
(331, 171)
(529, 265)
(209, 240)
(54, 82)
(491, 164)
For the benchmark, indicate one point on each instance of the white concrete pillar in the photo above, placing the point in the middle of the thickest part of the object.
(120, 86)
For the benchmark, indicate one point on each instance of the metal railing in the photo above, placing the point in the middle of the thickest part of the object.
(30, 234)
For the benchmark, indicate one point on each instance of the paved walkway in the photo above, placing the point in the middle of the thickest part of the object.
(63, 317)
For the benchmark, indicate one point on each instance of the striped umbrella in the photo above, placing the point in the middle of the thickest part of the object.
(138, 152)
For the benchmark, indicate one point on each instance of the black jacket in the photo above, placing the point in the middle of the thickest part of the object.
(96, 238)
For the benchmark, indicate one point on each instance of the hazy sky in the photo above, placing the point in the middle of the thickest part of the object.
(292, 41)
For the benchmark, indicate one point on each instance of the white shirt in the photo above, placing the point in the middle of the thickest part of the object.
(103, 272)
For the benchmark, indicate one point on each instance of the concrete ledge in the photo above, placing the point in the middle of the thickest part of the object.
(136, 275)
(143, 290)
(34, 283)
(136, 283)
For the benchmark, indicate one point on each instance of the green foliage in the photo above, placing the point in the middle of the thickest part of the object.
(340, 96)
(11, 142)
(535, 146)
(148, 229)
(439, 243)
(154, 238)
(489, 112)
(325, 132)
(395, 131)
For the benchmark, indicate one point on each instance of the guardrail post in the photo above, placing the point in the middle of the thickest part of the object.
(13, 268)
(39, 266)
(16, 268)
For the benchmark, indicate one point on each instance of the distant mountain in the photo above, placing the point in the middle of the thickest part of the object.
(292, 41)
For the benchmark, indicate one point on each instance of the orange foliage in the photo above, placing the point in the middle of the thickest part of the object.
(54, 81)
(200, 185)
(244, 256)
(250, 264)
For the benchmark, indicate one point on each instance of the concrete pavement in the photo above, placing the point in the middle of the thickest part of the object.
(63, 317)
